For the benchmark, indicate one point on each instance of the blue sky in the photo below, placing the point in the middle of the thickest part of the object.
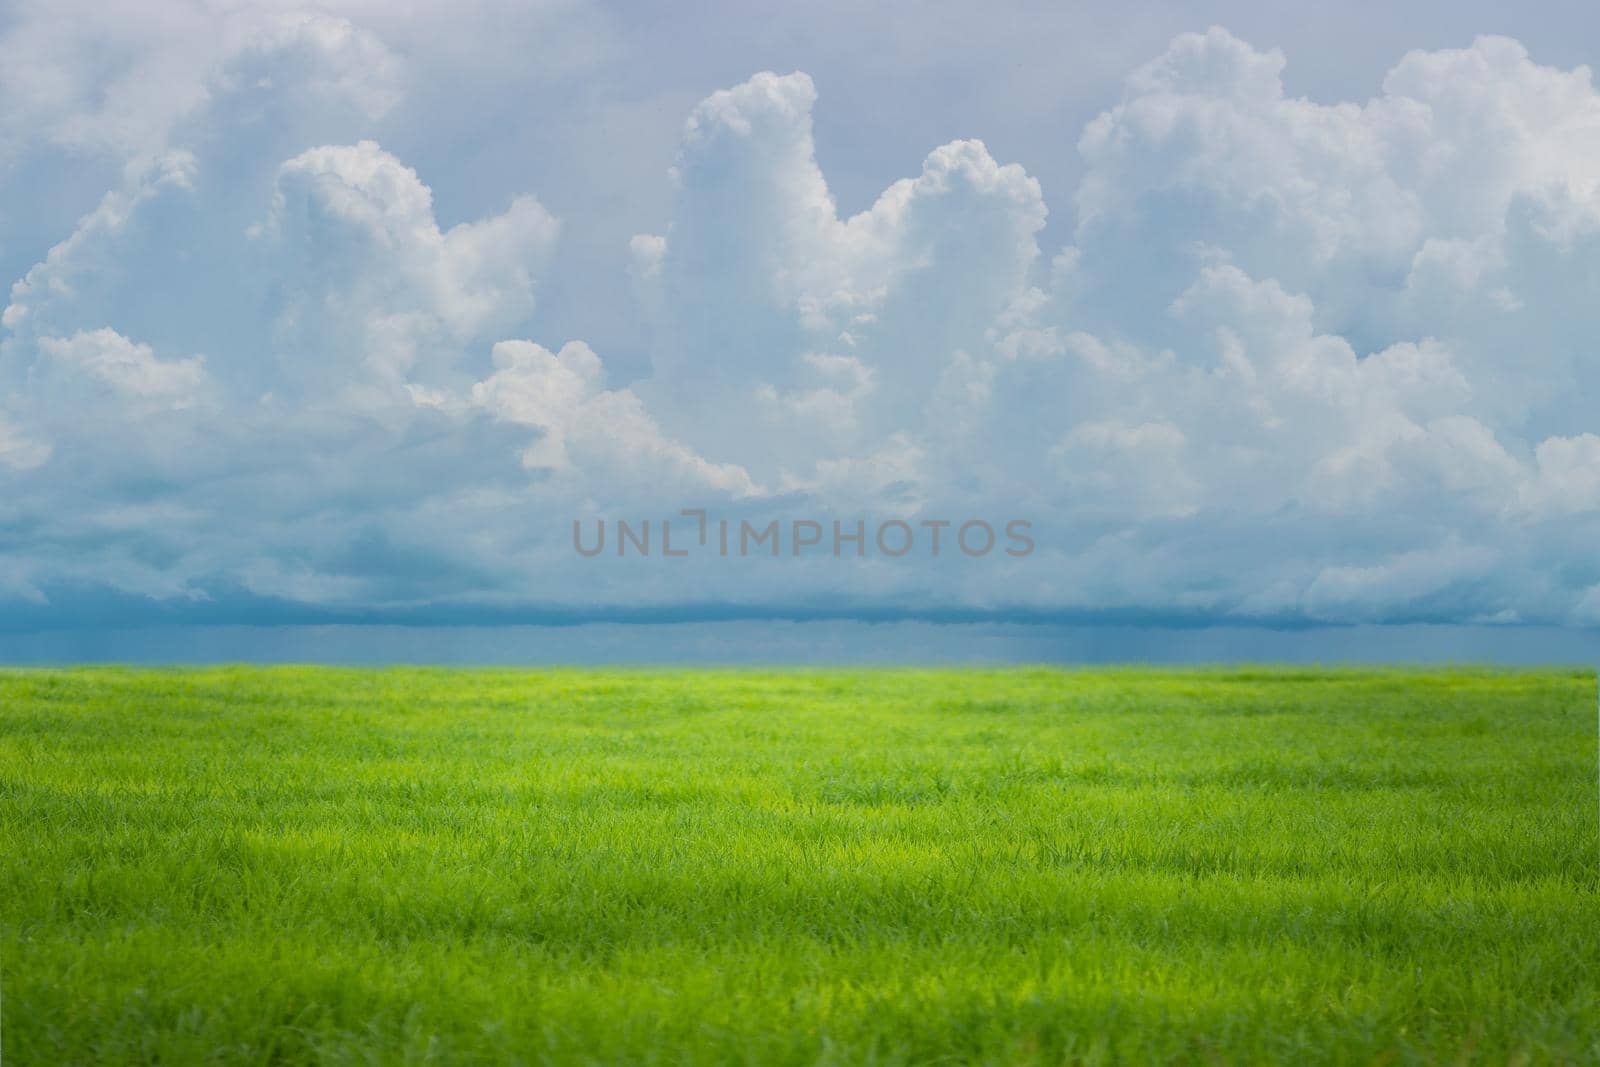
(1256, 315)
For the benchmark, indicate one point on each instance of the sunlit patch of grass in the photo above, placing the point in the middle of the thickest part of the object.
(1010, 866)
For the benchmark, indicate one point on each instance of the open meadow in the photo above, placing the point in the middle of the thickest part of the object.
(298, 865)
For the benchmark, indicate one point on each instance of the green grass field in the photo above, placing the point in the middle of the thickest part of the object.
(1011, 866)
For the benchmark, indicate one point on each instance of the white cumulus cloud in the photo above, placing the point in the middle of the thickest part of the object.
(1298, 360)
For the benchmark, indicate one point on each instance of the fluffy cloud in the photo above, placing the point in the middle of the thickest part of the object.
(831, 332)
(371, 275)
(1300, 361)
(129, 371)
(1312, 318)
(91, 247)
(260, 372)
(127, 81)
(585, 428)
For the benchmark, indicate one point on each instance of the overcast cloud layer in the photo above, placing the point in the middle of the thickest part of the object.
(1272, 359)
